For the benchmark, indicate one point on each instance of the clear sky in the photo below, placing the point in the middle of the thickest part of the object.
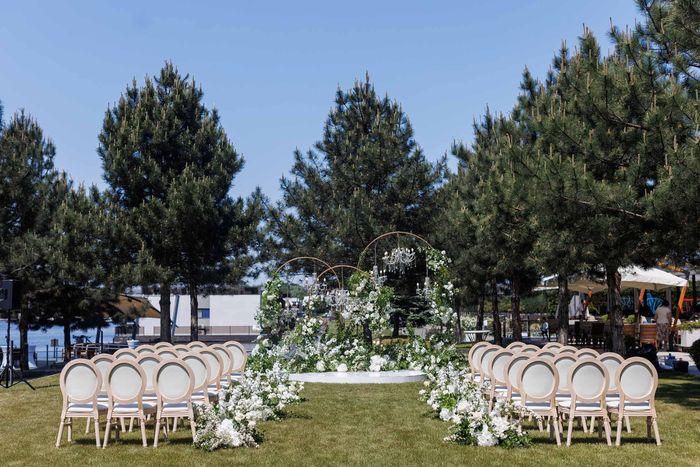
(271, 69)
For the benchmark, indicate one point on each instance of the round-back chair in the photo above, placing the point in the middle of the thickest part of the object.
(149, 362)
(474, 358)
(169, 353)
(637, 381)
(181, 349)
(546, 353)
(515, 345)
(568, 349)
(174, 382)
(126, 353)
(529, 349)
(588, 383)
(512, 371)
(554, 346)
(162, 345)
(196, 345)
(538, 381)
(126, 383)
(587, 353)
(199, 365)
(497, 371)
(145, 349)
(216, 367)
(227, 361)
(102, 362)
(485, 363)
(80, 383)
(240, 358)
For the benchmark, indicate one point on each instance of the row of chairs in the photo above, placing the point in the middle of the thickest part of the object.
(561, 381)
(162, 381)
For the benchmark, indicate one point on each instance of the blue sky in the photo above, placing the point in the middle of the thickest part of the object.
(271, 69)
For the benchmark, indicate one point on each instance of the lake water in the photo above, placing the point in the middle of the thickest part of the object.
(43, 338)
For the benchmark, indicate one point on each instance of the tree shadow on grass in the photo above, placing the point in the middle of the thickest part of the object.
(680, 389)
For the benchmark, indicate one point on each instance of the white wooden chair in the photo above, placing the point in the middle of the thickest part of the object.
(181, 349)
(227, 362)
(145, 349)
(612, 362)
(499, 377)
(162, 345)
(563, 363)
(515, 346)
(474, 358)
(126, 383)
(102, 361)
(216, 367)
(512, 370)
(240, 358)
(568, 349)
(169, 353)
(546, 353)
(197, 345)
(538, 382)
(588, 382)
(202, 375)
(485, 362)
(529, 349)
(174, 382)
(80, 383)
(126, 354)
(637, 381)
(553, 346)
(587, 353)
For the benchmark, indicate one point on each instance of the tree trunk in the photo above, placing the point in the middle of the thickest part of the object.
(563, 309)
(497, 338)
(615, 317)
(24, 339)
(67, 350)
(194, 313)
(165, 312)
(396, 321)
(480, 301)
(367, 332)
(458, 308)
(515, 309)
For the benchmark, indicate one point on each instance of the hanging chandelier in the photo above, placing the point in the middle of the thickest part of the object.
(399, 259)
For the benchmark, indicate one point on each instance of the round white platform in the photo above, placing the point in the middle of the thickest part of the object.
(360, 377)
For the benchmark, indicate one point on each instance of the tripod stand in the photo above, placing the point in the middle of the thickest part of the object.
(9, 376)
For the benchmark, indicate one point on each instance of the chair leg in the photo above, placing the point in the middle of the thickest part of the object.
(157, 435)
(131, 424)
(627, 424)
(123, 424)
(97, 431)
(571, 429)
(193, 427)
(108, 429)
(556, 431)
(583, 424)
(656, 431)
(174, 424)
(87, 425)
(606, 423)
(60, 432)
(592, 422)
(70, 430)
(143, 432)
(539, 423)
(619, 430)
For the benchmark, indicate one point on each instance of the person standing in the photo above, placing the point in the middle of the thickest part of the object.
(664, 315)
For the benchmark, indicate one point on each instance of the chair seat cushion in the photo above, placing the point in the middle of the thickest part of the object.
(538, 406)
(133, 408)
(86, 408)
(582, 406)
(170, 407)
(630, 406)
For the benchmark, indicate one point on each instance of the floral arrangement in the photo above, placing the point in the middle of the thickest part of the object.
(369, 305)
(455, 398)
(313, 304)
(439, 290)
(272, 315)
(232, 420)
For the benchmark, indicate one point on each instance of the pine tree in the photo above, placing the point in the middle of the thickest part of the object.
(366, 177)
(26, 162)
(169, 166)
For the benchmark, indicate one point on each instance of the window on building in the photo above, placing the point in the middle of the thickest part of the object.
(203, 313)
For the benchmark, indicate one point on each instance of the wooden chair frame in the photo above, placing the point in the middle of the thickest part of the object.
(550, 398)
(67, 415)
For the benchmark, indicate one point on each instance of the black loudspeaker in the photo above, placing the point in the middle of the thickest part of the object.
(9, 295)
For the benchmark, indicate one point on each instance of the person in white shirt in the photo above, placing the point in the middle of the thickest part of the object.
(664, 315)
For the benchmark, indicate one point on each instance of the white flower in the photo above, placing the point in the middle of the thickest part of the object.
(342, 368)
(320, 366)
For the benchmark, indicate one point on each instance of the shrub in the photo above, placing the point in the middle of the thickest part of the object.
(695, 352)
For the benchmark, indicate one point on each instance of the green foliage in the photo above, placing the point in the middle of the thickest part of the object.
(689, 326)
(366, 177)
(694, 352)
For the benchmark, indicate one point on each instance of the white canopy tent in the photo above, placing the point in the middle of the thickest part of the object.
(632, 277)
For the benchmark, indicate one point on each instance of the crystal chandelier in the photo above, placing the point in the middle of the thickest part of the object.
(378, 277)
(400, 259)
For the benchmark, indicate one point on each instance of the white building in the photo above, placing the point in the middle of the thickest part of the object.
(218, 315)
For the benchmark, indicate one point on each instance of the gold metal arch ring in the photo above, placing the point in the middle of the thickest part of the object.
(398, 233)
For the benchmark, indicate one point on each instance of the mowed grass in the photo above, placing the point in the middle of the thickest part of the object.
(347, 425)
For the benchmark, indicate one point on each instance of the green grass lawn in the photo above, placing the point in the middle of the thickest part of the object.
(339, 424)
